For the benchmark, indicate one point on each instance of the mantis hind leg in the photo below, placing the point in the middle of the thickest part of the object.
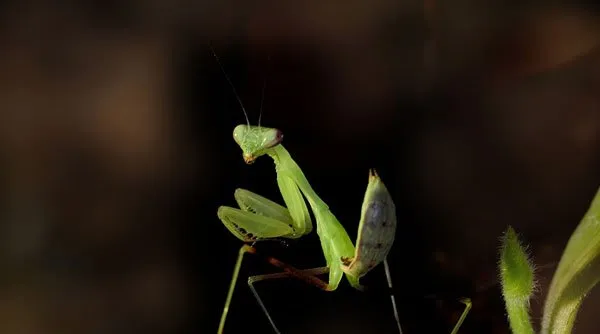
(289, 271)
(310, 276)
(258, 278)
(388, 276)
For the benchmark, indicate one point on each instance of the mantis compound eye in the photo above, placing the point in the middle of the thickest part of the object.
(273, 139)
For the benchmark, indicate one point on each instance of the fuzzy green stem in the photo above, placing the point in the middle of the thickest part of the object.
(518, 317)
(516, 275)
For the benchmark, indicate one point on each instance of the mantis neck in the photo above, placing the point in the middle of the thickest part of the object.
(285, 164)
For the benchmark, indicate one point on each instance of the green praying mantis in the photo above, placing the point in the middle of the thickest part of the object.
(259, 218)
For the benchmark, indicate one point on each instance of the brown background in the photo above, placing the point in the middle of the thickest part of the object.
(116, 150)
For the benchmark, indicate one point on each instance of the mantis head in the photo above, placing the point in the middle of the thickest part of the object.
(256, 140)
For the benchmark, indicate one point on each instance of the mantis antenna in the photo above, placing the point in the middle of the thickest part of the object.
(262, 95)
(231, 84)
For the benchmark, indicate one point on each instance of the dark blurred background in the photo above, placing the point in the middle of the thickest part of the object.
(116, 150)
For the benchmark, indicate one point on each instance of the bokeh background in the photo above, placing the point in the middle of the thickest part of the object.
(116, 150)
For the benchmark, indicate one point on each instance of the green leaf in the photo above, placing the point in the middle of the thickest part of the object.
(577, 273)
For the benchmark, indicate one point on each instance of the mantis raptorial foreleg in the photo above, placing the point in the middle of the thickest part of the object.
(259, 218)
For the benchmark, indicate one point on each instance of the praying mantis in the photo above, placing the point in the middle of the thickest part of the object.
(259, 218)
